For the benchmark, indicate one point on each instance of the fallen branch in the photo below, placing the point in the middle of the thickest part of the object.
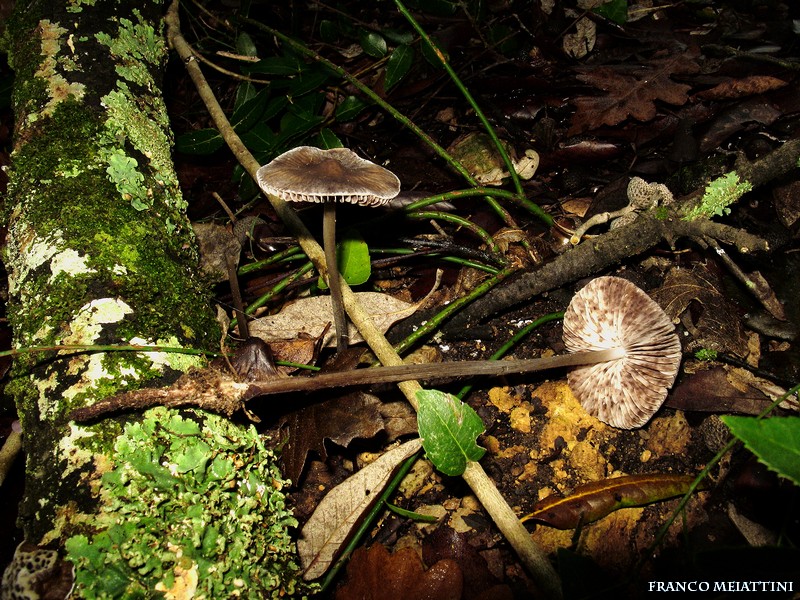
(593, 256)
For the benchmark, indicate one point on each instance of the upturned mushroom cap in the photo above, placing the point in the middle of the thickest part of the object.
(308, 174)
(611, 312)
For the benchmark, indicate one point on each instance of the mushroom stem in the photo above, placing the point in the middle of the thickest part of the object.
(334, 281)
(476, 368)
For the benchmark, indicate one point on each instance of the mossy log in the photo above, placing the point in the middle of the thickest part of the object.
(100, 251)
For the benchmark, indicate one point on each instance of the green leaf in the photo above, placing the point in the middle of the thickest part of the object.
(249, 113)
(326, 140)
(614, 10)
(398, 36)
(352, 257)
(775, 441)
(350, 108)
(276, 65)
(448, 429)
(244, 91)
(398, 65)
(410, 514)
(372, 43)
(245, 45)
(259, 139)
(308, 80)
(434, 54)
(202, 141)
(328, 31)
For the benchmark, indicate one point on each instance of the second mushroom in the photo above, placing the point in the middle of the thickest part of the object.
(308, 174)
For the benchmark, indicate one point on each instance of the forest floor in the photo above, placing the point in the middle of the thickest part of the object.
(583, 101)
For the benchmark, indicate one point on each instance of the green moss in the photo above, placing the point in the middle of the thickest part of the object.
(188, 502)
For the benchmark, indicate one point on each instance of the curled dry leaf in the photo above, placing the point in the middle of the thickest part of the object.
(595, 500)
(329, 528)
(312, 315)
(376, 574)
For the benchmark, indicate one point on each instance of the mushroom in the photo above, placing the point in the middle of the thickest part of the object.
(624, 349)
(307, 174)
(611, 312)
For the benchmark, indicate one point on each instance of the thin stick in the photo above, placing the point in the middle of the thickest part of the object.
(446, 370)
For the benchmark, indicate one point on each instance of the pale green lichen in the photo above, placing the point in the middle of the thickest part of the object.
(718, 196)
(136, 46)
(74, 448)
(85, 328)
(136, 50)
(91, 318)
(172, 360)
(128, 121)
(189, 501)
(70, 262)
(23, 256)
(124, 174)
(58, 88)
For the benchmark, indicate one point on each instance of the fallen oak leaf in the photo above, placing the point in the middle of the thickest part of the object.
(327, 531)
(630, 92)
(376, 574)
(593, 501)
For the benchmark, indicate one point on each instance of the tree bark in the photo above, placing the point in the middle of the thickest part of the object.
(100, 251)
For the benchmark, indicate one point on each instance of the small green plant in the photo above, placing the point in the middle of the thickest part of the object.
(706, 354)
(718, 196)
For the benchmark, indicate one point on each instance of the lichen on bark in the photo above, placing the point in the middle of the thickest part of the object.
(99, 248)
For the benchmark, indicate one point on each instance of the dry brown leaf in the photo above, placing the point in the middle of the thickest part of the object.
(717, 390)
(710, 321)
(630, 92)
(329, 528)
(375, 574)
(597, 499)
(479, 583)
(340, 419)
(312, 315)
(739, 88)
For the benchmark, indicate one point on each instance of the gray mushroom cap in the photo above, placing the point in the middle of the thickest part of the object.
(610, 312)
(308, 174)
